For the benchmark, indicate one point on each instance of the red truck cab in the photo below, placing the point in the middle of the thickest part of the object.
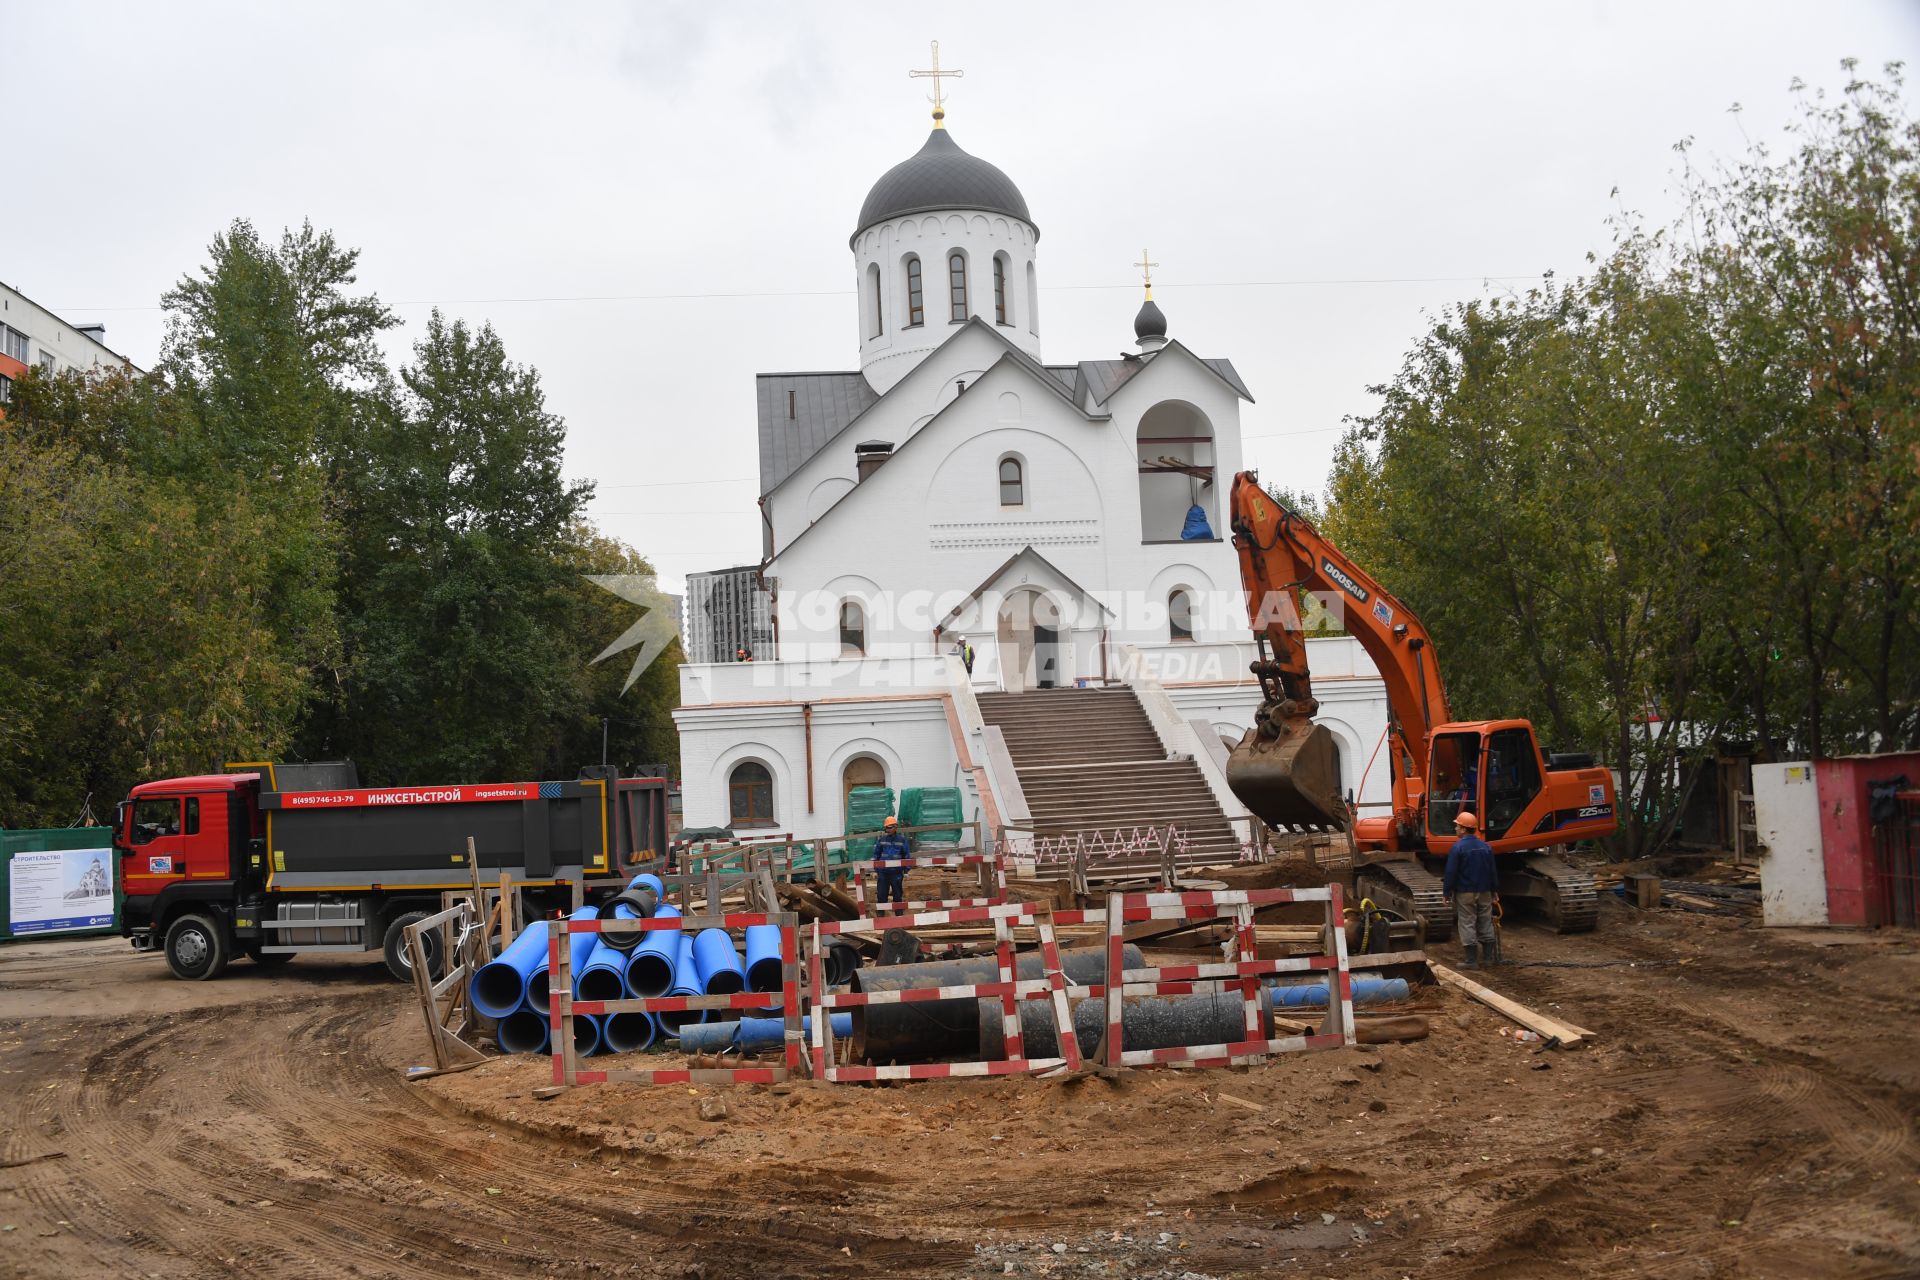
(188, 847)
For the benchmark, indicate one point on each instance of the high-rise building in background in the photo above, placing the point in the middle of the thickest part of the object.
(724, 611)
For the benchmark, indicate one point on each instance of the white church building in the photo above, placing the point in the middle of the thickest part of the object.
(957, 494)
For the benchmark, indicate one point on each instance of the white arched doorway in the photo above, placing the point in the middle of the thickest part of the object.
(1032, 637)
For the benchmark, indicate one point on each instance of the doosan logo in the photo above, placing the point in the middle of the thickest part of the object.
(1347, 584)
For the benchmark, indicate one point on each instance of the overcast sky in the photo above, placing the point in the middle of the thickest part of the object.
(652, 202)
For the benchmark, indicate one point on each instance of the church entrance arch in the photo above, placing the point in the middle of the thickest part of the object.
(1032, 640)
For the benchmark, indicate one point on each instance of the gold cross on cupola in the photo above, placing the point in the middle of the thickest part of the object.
(1146, 273)
(936, 74)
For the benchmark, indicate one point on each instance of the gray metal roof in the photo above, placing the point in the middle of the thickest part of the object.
(823, 404)
(942, 176)
(1104, 377)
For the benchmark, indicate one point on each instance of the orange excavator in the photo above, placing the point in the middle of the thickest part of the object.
(1286, 770)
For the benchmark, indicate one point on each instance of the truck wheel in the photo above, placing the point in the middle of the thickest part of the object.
(400, 960)
(196, 948)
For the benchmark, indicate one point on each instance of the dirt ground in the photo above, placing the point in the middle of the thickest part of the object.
(1747, 1110)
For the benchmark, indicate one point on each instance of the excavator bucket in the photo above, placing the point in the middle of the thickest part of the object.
(1291, 782)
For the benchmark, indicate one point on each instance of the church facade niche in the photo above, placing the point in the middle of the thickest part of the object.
(1176, 472)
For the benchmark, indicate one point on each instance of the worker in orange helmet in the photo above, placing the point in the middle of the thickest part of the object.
(1471, 881)
(890, 854)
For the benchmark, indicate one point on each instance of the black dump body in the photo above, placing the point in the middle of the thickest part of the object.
(416, 837)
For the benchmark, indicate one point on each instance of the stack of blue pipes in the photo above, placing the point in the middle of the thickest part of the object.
(512, 990)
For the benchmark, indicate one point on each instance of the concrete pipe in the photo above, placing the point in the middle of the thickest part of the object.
(522, 1031)
(500, 988)
(580, 949)
(940, 1030)
(1146, 1022)
(718, 964)
(685, 983)
(626, 1032)
(638, 901)
(650, 971)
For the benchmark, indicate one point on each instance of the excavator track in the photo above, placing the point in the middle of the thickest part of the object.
(1566, 895)
(1407, 889)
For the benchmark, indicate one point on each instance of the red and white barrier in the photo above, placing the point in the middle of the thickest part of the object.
(1051, 986)
(993, 873)
(1245, 972)
(562, 1006)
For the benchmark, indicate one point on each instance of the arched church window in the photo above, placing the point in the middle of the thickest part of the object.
(1033, 301)
(957, 286)
(750, 795)
(916, 301)
(879, 300)
(1000, 288)
(1013, 488)
(1180, 615)
(853, 629)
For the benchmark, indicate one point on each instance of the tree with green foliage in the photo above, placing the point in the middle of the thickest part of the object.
(457, 589)
(1675, 501)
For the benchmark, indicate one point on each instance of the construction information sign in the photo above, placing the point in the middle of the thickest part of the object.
(55, 892)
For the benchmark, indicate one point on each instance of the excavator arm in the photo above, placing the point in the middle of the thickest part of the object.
(1286, 769)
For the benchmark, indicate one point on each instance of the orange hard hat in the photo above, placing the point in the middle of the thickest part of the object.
(891, 821)
(1467, 820)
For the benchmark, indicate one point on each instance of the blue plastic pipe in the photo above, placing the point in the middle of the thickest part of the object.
(626, 1032)
(751, 1034)
(1365, 991)
(604, 977)
(685, 983)
(586, 1034)
(721, 973)
(650, 971)
(763, 957)
(501, 987)
(580, 950)
(522, 1031)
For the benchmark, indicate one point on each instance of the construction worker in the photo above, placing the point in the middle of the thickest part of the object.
(1470, 881)
(891, 852)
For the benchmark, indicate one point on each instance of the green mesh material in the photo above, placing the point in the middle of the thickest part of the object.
(928, 807)
(867, 808)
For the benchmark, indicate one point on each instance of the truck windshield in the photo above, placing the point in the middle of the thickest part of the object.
(155, 818)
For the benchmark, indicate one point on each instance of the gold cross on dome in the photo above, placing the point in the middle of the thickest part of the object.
(1146, 273)
(938, 99)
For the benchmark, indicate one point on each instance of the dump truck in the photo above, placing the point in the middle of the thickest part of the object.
(274, 860)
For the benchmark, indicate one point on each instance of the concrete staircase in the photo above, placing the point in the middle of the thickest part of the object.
(1089, 760)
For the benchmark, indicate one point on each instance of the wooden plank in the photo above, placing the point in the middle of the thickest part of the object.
(1552, 1028)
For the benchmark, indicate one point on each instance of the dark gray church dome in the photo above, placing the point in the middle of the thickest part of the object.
(1151, 322)
(942, 176)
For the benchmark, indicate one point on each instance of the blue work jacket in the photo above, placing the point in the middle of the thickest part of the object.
(892, 848)
(1470, 867)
